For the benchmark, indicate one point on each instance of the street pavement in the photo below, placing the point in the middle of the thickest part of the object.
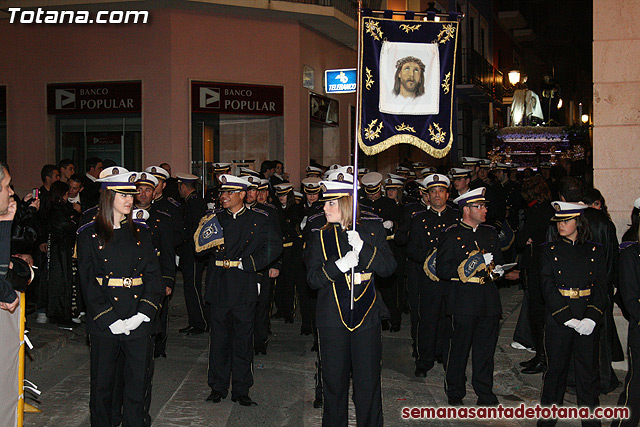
(284, 378)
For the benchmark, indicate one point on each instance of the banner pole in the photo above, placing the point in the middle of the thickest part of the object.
(21, 313)
(355, 144)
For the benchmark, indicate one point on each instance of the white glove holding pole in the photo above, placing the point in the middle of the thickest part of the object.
(355, 240)
(388, 225)
(487, 258)
(240, 266)
(303, 223)
(136, 320)
(119, 327)
(348, 261)
(498, 270)
(585, 327)
(573, 323)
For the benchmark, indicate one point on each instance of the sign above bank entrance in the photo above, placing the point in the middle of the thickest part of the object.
(340, 81)
(230, 98)
(94, 98)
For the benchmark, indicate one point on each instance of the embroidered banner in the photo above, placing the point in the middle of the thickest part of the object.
(407, 74)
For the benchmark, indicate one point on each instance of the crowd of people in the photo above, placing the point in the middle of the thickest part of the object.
(437, 244)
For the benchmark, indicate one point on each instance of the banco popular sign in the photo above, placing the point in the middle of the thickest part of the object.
(96, 98)
(228, 98)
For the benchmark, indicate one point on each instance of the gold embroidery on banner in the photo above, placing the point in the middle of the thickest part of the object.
(373, 28)
(370, 80)
(404, 138)
(439, 136)
(409, 28)
(445, 84)
(403, 127)
(371, 134)
(446, 34)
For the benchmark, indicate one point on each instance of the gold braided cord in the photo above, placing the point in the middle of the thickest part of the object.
(438, 153)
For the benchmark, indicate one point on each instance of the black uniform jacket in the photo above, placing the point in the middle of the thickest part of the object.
(409, 211)
(375, 257)
(248, 236)
(566, 265)
(171, 207)
(426, 229)
(454, 248)
(162, 232)
(629, 284)
(122, 257)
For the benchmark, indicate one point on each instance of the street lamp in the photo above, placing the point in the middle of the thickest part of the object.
(514, 77)
(585, 118)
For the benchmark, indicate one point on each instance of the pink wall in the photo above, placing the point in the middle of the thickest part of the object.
(174, 48)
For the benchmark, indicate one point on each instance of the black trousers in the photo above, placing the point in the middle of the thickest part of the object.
(355, 354)
(192, 272)
(231, 349)
(285, 287)
(306, 297)
(262, 319)
(432, 325)
(163, 324)
(136, 354)
(478, 334)
(630, 396)
(536, 310)
(413, 295)
(563, 345)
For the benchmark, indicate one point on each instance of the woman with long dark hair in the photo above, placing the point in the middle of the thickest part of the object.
(62, 222)
(574, 277)
(350, 339)
(629, 288)
(122, 287)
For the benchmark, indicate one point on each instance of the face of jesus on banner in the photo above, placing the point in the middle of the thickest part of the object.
(409, 77)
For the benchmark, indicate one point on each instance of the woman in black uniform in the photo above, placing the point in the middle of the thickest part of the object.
(573, 275)
(629, 288)
(350, 340)
(122, 286)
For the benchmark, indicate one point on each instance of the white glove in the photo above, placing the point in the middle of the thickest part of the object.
(354, 240)
(573, 323)
(585, 327)
(258, 288)
(119, 327)
(240, 266)
(498, 270)
(487, 258)
(388, 224)
(134, 321)
(303, 223)
(349, 260)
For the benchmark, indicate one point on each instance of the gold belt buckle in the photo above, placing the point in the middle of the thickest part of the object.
(226, 264)
(127, 282)
(574, 293)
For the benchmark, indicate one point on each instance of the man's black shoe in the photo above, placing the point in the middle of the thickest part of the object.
(420, 373)
(159, 354)
(314, 347)
(454, 401)
(260, 350)
(385, 325)
(492, 403)
(196, 331)
(535, 369)
(394, 328)
(186, 330)
(244, 401)
(317, 403)
(439, 359)
(529, 363)
(288, 319)
(306, 330)
(215, 397)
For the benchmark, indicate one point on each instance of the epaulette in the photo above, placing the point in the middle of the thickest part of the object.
(92, 208)
(369, 216)
(314, 216)
(451, 227)
(83, 227)
(217, 210)
(594, 243)
(140, 222)
(546, 243)
(270, 205)
(260, 211)
(415, 213)
(164, 213)
(625, 245)
(173, 201)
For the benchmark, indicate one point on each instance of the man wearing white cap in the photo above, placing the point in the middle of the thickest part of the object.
(167, 204)
(432, 294)
(466, 254)
(250, 245)
(193, 208)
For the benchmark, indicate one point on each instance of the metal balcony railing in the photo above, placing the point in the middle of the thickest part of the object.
(474, 69)
(348, 7)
